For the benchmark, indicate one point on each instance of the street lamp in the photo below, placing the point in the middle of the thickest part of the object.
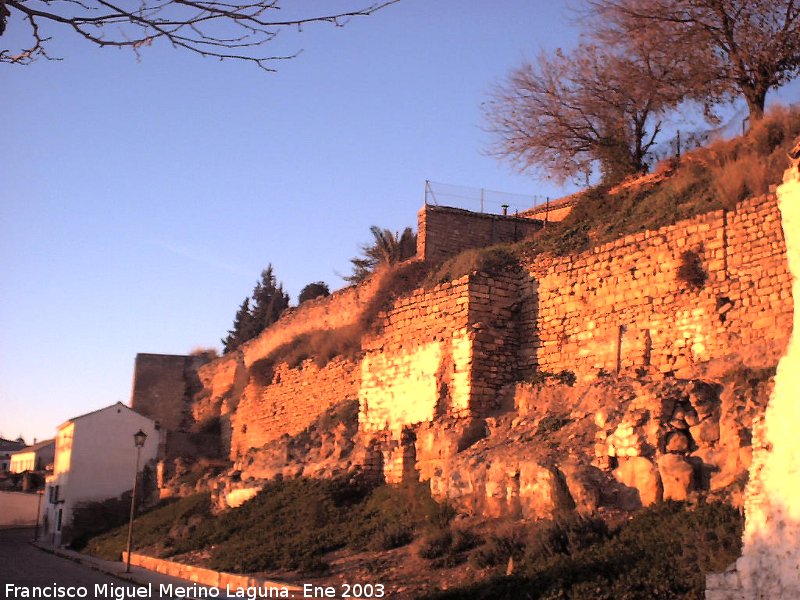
(39, 493)
(138, 440)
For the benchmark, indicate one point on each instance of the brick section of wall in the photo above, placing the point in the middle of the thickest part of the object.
(443, 232)
(624, 305)
(160, 388)
(294, 399)
(417, 361)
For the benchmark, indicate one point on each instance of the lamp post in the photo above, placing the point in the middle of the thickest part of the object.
(39, 493)
(138, 440)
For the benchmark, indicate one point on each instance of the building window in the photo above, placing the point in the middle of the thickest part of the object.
(58, 522)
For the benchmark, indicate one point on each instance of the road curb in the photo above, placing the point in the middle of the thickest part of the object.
(90, 562)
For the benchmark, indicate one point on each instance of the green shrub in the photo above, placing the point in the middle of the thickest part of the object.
(507, 541)
(664, 552)
(447, 548)
(691, 270)
(290, 525)
(392, 512)
(162, 528)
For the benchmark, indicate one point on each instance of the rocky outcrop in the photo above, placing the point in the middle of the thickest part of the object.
(618, 444)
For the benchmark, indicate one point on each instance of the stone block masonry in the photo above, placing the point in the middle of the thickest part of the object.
(224, 379)
(704, 288)
(417, 361)
(625, 305)
(290, 402)
(441, 352)
(162, 384)
(444, 231)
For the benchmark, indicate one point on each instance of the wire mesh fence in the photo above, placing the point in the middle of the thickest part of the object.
(479, 199)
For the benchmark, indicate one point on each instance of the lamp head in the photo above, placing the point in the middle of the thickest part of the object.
(138, 438)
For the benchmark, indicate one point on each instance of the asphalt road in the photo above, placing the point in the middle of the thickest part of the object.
(29, 572)
(24, 567)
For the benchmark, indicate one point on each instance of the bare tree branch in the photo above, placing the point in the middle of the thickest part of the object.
(217, 29)
(568, 113)
(747, 47)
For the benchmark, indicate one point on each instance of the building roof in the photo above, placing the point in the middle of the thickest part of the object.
(10, 445)
(36, 446)
(116, 404)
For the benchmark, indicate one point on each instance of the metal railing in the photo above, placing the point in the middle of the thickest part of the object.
(479, 199)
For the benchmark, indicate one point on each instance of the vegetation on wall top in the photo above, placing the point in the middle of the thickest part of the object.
(258, 312)
(386, 248)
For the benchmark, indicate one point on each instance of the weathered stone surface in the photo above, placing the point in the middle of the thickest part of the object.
(677, 442)
(677, 476)
(542, 491)
(584, 484)
(443, 439)
(622, 306)
(639, 473)
(706, 432)
(617, 316)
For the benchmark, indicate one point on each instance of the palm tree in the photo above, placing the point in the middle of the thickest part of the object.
(386, 248)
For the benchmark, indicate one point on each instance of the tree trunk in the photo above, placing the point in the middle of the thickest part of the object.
(755, 98)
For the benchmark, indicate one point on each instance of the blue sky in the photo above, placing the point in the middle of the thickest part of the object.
(141, 198)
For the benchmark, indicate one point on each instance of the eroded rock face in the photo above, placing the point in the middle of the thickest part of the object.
(677, 476)
(504, 486)
(619, 443)
(640, 473)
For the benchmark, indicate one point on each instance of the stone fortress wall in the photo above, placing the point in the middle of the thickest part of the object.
(449, 351)
(624, 304)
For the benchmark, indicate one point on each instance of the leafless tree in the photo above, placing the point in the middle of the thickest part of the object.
(214, 28)
(567, 113)
(748, 46)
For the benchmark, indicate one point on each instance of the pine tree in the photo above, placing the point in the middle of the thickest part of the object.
(257, 313)
(269, 301)
(242, 323)
(313, 290)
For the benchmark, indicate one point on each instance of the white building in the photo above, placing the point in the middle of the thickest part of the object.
(7, 448)
(33, 458)
(95, 460)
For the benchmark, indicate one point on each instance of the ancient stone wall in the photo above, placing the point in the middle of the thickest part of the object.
(704, 288)
(496, 303)
(443, 231)
(417, 361)
(224, 379)
(341, 308)
(161, 385)
(626, 304)
(770, 563)
(290, 401)
(444, 352)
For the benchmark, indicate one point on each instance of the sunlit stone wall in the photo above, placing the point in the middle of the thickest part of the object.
(441, 352)
(417, 361)
(624, 304)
